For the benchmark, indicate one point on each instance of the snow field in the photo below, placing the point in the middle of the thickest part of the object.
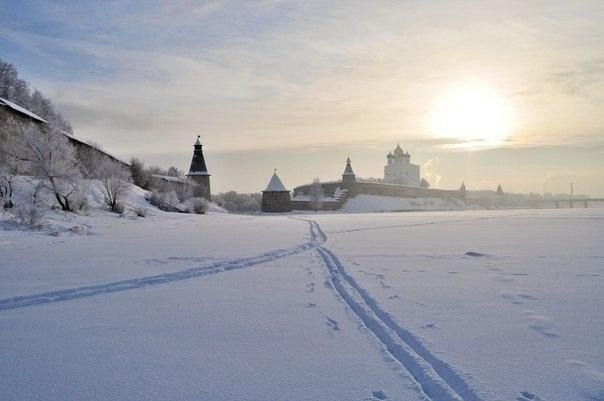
(475, 305)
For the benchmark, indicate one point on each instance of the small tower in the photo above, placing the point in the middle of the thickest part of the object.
(348, 178)
(462, 189)
(499, 190)
(276, 198)
(198, 171)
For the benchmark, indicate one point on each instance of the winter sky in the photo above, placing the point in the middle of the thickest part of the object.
(488, 92)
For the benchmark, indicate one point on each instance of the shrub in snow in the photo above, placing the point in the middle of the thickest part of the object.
(195, 205)
(78, 230)
(164, 201)
(141, 211)
(31, 216)
(79, 201)
(118, 208)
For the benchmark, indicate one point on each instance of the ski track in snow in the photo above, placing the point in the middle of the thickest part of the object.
(437, 378)
(165, 278)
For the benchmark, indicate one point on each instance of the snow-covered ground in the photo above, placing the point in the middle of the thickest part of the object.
(375, 203)
(465, 305)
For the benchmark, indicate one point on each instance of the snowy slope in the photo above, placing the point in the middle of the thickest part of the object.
(473, 305)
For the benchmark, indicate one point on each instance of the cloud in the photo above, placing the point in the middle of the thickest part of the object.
(310, 75)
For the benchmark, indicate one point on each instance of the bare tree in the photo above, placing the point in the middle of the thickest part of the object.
(113, 182)
(8, 175)
(46, 154)
(316, 194)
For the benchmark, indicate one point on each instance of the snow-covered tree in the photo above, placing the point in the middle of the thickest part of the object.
(174, 172)
(46, 154)
(316, 194)
(114, 184)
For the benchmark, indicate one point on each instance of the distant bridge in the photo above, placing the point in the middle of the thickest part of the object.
(571, 201)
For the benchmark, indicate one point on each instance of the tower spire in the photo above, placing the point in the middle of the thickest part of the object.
(198, 171)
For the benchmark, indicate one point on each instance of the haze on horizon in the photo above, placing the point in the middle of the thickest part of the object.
(486, 92)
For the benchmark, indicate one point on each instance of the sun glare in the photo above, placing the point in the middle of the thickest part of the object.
(472, 113)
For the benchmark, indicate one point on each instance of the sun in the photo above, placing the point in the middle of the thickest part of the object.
(473, 113)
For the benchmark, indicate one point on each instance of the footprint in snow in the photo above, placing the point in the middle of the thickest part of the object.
(528, 396)
(394, 297)
(429, 326)
(333, 324)
(311, 305)
(476, 254)
(310, 287)
(379, 395)
(541, 324)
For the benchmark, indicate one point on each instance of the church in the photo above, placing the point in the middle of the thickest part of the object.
(401, 179)
(400, 170)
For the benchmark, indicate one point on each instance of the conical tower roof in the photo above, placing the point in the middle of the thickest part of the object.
(348, 169)
(275, 184)
(398, 151)
(198, 163)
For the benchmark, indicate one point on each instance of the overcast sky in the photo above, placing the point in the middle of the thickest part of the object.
(299, 86)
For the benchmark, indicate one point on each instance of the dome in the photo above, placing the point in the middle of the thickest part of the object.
(399, 151)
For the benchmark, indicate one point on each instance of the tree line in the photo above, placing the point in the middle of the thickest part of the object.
(17, 90)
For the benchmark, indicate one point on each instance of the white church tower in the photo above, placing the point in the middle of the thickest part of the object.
(400, 170)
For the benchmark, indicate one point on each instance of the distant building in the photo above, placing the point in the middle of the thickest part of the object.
(276, 198)
(198, 171)
(400, 170)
